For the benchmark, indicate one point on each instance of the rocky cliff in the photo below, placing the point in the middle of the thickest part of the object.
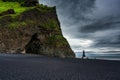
(34, 29)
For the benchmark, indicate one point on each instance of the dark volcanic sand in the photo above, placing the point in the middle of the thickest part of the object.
(32, 67)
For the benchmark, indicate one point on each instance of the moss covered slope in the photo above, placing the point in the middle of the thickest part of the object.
(33, 29)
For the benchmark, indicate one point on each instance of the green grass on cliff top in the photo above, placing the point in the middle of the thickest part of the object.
(12, 5)
(4, 6)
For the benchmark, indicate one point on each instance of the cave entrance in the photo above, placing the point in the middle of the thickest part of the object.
(34, 45)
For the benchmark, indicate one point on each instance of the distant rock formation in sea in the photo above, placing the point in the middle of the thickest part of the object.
(33, 29)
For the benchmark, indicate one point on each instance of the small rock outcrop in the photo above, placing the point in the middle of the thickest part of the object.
(9, 11)
(24, 2)
(30, 3)
(35, 30)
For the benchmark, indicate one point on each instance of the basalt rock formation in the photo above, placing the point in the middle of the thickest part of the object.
(34, 30)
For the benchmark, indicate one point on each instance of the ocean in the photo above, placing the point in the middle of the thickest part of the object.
(103, 56)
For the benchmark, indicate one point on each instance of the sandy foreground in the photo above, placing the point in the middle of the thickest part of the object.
(34, 67)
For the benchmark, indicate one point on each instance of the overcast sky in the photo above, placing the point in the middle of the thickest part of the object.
(93, 25)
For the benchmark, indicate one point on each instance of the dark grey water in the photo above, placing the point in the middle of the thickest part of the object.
(104, 56)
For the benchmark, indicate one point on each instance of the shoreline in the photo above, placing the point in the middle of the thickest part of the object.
(90, 58)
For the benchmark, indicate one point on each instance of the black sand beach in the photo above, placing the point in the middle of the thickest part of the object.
(33, 67)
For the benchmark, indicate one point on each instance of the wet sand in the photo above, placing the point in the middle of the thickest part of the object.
(34, 67)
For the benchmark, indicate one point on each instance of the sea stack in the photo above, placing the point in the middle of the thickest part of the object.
(33, 29)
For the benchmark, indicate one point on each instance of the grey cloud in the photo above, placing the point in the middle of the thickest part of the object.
(105, 32)
(108, 41)
(104, 39)
(102, 24)
(113, 52)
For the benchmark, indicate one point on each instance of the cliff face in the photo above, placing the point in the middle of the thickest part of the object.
(34, 30)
